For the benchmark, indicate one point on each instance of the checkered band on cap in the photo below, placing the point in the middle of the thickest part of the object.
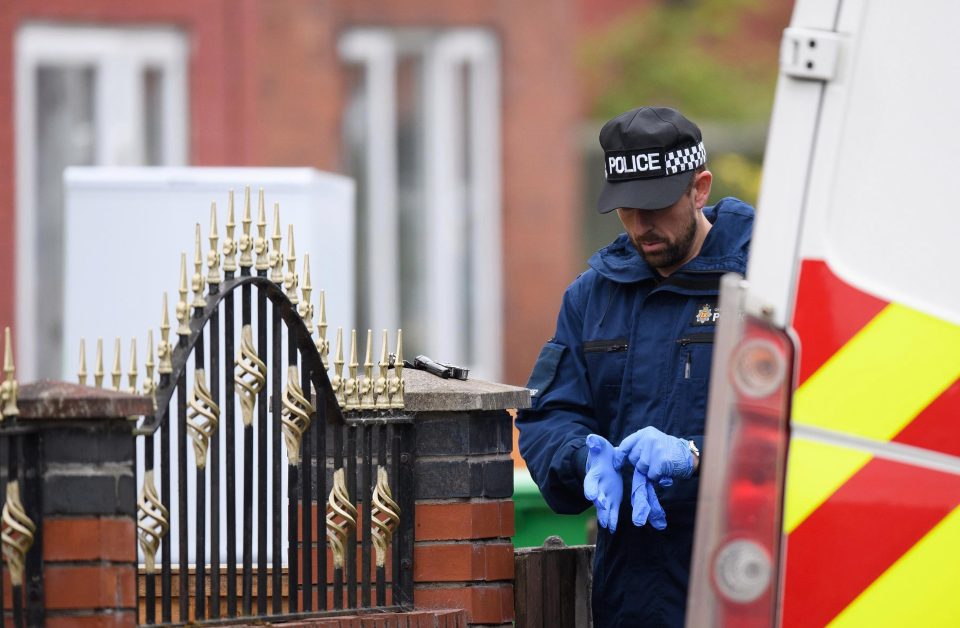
(685, 159)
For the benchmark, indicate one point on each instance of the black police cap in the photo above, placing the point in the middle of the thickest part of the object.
(650, 154)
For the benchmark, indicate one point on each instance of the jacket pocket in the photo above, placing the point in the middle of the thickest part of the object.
(696, 354)
(605, 346)
(545, 370)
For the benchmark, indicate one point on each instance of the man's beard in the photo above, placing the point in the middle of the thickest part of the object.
(674, 252)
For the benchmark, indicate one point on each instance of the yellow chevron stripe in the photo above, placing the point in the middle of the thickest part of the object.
(877, 383)
(920, 589)
(814, 472)
(883, 377)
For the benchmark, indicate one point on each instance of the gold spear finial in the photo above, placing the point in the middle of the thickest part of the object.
(213, 255)
(276, 254)
(116, 374)
(229, 244)
(183, 310)
(197, 282)
(366, 384)
(323, 345)
(246, 241)
(98, 367)
(82, 373)
(9, 387)
(290, 280)
(381, 401)
(164, 349)
(132, 374)
(337, 382)
(149, 387)
(395, 384)
(305, 309)
(351, 389)
(263, 257)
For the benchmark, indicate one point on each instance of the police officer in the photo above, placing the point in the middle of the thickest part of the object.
(619, 393)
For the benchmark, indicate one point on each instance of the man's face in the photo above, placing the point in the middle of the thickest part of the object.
(664, 237)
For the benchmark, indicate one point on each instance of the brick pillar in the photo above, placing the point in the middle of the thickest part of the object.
(463, 554)
(89, 501)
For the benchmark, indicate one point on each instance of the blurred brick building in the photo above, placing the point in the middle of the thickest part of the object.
(458, 119)
(461, 121)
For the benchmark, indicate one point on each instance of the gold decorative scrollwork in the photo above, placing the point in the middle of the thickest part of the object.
(251, 377)
(17, 534)
(295, 415)
(385, 516)
(152, 521)
(202, 418)
(341, 518)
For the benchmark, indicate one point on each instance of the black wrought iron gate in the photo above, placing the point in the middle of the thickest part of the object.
(341, 446)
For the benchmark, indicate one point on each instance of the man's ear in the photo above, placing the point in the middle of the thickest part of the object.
(701, 184)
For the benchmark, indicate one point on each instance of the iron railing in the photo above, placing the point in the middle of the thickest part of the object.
(342, 449)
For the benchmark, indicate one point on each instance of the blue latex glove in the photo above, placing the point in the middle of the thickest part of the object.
(656, 457)
(646, 505)
(602, 484)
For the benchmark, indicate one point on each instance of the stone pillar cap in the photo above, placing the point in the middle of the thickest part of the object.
(45, 400)
(428, 393)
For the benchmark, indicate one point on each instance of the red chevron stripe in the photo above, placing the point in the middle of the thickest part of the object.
(858, 533)
(936, 427)
(829, 312)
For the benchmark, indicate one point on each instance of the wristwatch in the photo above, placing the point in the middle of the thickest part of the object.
(696, 455)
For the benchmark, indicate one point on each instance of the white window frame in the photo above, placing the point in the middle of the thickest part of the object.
(119, 54)
(445, 52)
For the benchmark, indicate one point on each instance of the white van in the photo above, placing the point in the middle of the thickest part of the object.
(830, 481)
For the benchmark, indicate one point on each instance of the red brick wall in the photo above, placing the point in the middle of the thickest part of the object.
(89, 565)
(463, 558)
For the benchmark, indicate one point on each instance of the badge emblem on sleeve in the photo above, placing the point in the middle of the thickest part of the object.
(707, 315)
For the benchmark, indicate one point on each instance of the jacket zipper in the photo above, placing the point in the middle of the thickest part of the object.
(605, 346)
(698, 338)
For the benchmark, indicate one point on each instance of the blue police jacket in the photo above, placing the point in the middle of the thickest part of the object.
(632, 349)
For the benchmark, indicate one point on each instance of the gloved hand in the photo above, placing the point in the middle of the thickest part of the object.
(658, 456)
(602, 484)
(646, 505)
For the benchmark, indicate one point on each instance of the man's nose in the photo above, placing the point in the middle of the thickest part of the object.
(640, 220)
